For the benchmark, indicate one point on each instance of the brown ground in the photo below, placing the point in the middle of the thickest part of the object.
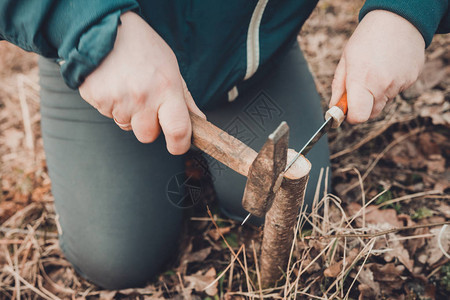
(399, 163)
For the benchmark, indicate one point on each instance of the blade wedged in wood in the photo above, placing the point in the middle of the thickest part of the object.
(264, 171)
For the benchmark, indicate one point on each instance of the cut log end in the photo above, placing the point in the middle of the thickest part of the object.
(299, 169)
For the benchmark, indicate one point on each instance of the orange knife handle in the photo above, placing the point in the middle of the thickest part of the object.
(342, 103)
(338, 111)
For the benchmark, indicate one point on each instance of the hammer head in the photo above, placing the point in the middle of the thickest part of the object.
(264, 172)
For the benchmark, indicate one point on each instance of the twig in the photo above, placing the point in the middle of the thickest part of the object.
(360, 269)
(183, 290)
(403, 198)
(209, 219)
(294, 242)
(228, 245)
(224, 271)
(9, 242)
(249, 287)
(27, 284)
(363, 196)
(314, 208)
(376, 234)
(437, 267)
(350, 267)
(231, 274)
(315, 258)
(258, 275)
(417, 236)
(29, 140)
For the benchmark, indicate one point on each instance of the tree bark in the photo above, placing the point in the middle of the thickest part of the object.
(281, 220)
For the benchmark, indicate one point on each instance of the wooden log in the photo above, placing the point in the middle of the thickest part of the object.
(281, 220)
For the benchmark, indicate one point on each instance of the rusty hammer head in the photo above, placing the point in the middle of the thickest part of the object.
(263, 175)
(264, 169)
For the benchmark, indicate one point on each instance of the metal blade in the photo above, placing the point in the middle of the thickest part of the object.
(312, 141)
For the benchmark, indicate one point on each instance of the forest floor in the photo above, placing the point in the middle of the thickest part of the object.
(379, 233)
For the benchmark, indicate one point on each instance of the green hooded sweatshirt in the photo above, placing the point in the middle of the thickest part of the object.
(218, 44)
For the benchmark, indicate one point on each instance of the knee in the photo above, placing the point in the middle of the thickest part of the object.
(114, 275)
(116, 268)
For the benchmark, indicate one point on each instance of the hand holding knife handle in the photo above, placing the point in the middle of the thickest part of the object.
(338, 111)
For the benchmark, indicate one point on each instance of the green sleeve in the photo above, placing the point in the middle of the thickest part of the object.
(78, 33)
(428, 16)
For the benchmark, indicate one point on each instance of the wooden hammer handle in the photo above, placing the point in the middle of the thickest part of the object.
(219, 144)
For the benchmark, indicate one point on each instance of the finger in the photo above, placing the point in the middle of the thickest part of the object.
(338, 85)
(104, 107)
(145, 125)
(122, 118)
(175, 122)
(192, 106)
(360, 102)
(378, 106)
(123, 126)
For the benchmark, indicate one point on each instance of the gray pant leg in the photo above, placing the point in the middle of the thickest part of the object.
(118, 228)
(285, 91)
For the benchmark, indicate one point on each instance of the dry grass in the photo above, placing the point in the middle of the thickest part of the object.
(346, 248)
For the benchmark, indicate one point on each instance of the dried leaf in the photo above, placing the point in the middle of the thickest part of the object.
(335, 269)
(388, 275)
(375, 216)
(431, 97)
(200, 281)
(215, 233)
(443, 184)
(365, 292)
(444, 209)
(432, 251)
(399, 252)
(438, 113)
(367, 279)
(414, 244)
(196, 256)
(12, 138)
(431, 143)
(433, 73)
(107, 295)
(435, 164)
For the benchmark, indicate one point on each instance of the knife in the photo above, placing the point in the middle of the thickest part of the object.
(334, 117)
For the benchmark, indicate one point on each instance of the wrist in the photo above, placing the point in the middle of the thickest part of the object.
(394, 24)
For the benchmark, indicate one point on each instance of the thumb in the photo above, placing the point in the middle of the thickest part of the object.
(360, 102)
(338, 85)
(174, 119)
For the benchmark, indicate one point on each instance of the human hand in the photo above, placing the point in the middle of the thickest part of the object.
(384, 56)
(139, 85)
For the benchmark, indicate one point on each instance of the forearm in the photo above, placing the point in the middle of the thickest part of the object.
(77, 33)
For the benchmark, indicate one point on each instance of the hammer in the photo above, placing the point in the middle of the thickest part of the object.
(271, 190)
(261, 169)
